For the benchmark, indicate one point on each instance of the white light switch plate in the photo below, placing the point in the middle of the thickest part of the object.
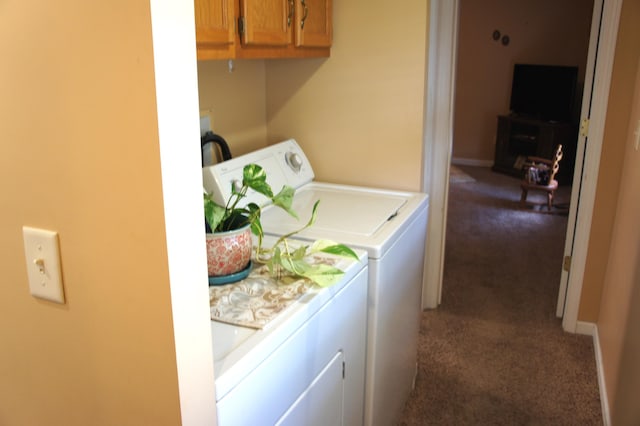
(42, 254)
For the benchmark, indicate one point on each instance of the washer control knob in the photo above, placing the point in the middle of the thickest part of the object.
(294, 161)
(236, 185)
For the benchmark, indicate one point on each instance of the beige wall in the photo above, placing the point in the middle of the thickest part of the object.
(625, 408)
(540, 32)
(618, 333)
(612, 156)
(358, 115)
(79, 155)
(236, 101)
(614, 244)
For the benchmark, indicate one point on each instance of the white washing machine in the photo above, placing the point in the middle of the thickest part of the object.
(389, 225)
(305, 366)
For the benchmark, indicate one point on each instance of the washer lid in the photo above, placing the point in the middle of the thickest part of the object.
(345, 211)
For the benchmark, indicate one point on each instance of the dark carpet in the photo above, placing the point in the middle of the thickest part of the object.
(494, 352)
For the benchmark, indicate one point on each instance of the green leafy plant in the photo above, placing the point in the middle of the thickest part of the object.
(233, 215)
(282, 258)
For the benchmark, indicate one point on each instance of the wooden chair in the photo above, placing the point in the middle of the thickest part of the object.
(535, 165)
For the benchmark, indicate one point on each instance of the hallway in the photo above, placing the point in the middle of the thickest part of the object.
(494, 351)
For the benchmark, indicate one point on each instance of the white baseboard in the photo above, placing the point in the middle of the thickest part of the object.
(591, 329)
(471, 162)
(586, 328)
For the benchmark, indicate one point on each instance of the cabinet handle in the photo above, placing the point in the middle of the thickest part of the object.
(290, 16)
(306, 12)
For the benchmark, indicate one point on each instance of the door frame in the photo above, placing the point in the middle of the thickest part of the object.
(438, 139)
(438, 143)
(176, 87)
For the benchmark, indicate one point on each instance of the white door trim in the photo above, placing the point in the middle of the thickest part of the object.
(176, 83)
(438, 139)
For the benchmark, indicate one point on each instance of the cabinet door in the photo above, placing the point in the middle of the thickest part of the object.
(322, 403)
(313, 26)
(214, 22)
(266, 22)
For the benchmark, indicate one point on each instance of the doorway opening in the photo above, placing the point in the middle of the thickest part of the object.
(546, 42)
(443, 27)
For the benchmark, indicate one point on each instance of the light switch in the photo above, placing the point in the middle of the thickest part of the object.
(42, 254)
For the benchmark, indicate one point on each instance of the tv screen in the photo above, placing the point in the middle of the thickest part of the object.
(544, 92)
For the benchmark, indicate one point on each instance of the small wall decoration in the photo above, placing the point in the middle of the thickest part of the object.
(496, 35)
(505, 40)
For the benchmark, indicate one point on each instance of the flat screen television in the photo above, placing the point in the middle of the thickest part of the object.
(544, 92)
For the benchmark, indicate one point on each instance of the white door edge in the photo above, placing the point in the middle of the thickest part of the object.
(580, 151)
(604, 68)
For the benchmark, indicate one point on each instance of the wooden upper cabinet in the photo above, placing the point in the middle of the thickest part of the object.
(265, 28)
(266, 22)
(313, 23)
(214, 22)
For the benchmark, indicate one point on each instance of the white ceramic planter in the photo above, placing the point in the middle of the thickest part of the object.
(228, 252)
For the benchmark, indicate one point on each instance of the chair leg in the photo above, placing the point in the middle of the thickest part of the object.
(523, 197)
(549, 200)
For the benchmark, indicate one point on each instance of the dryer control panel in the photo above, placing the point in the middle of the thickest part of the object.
(284, 163)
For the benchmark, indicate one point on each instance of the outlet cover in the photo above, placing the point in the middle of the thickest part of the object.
(205, 122)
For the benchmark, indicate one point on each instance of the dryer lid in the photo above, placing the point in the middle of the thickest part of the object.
(344, 211)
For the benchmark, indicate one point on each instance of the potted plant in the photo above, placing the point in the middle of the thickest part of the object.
(229, 229)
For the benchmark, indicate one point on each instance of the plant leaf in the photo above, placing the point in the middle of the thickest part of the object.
(253, 210)
(256, 228)
(275, 261)
(295, 266)
(299, 253)
(314, 213)
(327, 246)
(284, 199)
(341, 250)
(255, 178)
(323, 275)
(213, 213)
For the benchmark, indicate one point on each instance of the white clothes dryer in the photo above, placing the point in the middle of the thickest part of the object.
(391, 226)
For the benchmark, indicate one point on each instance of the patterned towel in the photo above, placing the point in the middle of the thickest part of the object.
(259, 298)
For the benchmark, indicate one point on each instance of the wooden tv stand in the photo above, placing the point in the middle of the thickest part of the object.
(519, 137)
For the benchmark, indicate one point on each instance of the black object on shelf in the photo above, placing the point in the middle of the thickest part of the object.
(210, 137)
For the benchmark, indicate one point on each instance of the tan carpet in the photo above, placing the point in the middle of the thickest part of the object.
(494, 353)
